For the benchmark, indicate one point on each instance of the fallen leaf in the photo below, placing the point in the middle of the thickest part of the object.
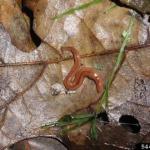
(28, 80)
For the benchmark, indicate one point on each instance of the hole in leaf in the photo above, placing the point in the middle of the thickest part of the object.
(103, 117)
(35, 38)
(130, 122)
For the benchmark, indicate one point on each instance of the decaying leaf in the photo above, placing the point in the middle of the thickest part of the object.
(31, 84)
(17, 25)
(142, 6)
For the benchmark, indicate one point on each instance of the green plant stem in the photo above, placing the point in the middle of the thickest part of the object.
(104, 99)
(76, 125)
(93, 131)
(72, 10)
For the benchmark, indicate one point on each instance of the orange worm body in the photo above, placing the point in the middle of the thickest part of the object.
(77, 74)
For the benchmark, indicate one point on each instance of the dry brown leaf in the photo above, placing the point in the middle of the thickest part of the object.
(31, 84)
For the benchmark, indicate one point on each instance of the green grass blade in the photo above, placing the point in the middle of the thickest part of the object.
(104, 99)
(69, 120)
(72, 10)
(76, 125)
(93, 131)
(81, 116)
